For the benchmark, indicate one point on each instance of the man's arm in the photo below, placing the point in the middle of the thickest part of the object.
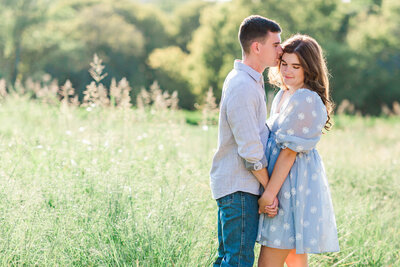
(242, 108)
(262, 176)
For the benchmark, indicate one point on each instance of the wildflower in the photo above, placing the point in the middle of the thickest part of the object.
(87, 142)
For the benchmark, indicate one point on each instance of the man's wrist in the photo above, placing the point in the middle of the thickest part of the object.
(265, 183)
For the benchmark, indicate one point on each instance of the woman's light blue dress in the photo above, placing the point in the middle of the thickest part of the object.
(306, 220)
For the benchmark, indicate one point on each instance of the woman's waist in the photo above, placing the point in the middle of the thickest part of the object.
(272, 137)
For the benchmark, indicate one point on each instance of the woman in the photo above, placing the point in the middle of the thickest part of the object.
(305, 222)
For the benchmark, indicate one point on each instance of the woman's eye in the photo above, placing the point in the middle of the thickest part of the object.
(296, 68)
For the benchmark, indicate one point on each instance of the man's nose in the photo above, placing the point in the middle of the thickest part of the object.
(280, 50)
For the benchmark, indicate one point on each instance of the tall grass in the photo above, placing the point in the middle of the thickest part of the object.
(102, 183)
(121, 187)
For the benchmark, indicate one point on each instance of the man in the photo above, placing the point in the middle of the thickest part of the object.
(238, 166)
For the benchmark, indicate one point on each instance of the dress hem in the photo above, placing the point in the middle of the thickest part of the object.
(265, 244)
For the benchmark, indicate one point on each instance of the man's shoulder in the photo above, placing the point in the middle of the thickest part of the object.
(238, 81)
(239, 76)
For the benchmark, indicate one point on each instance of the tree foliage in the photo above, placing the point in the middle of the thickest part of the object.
(190, 46)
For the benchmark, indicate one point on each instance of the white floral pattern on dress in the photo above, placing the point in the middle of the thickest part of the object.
(308, 191)
(286, 226)
(293, 191)
(298, 236)
(314, 113)
(307, 223)
(314, 176)
(313, 210)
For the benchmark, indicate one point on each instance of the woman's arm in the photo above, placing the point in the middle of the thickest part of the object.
(281, 170)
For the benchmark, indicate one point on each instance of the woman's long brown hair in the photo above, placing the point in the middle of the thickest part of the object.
(313, 63)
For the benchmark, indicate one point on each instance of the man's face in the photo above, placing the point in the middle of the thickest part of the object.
(270, 49)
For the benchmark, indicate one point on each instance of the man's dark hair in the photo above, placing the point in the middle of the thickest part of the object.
(255, 28)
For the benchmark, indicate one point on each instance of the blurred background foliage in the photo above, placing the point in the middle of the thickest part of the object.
(190, 46)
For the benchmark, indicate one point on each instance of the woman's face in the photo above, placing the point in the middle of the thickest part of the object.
(292, 72)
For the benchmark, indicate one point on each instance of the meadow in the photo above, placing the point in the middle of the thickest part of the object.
(130, 187)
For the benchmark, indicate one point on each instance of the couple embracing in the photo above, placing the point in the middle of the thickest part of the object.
(267, 177)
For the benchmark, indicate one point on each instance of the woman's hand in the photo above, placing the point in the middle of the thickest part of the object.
(272, 210)
(268, 203)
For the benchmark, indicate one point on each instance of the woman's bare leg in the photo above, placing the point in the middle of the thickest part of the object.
(272, 257)
(296, 260)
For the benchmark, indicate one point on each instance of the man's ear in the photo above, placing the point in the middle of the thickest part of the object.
(255, 47)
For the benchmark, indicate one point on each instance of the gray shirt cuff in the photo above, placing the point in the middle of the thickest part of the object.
(263, 163)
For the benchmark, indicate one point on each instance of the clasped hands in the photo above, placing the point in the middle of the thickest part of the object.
(268, 204)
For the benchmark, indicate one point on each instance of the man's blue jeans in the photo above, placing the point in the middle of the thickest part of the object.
(237, 229)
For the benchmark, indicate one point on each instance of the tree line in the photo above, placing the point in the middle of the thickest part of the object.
(189, 46)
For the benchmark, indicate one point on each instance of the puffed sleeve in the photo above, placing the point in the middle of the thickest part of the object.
(300, 124)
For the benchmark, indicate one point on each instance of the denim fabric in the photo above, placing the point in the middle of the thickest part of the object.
(237, 229)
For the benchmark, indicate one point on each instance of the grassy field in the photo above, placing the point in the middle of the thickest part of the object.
(126, 188)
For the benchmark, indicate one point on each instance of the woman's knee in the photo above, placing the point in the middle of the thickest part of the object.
(272, 257)
(296, 260)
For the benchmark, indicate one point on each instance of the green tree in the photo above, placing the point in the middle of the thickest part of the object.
(17, 16)
(374, 39)
(173, 78)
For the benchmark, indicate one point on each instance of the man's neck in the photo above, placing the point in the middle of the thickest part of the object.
(252, 63)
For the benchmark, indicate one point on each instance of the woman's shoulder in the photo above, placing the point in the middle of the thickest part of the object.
(306, 95)
(305, 92)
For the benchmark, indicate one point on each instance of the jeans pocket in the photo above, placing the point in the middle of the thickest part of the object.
(226, 200)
